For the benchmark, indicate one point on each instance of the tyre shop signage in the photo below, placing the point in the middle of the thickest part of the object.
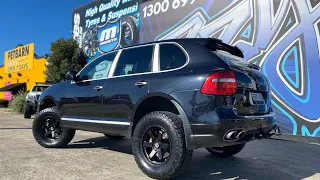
(102, 26)
(19, 59)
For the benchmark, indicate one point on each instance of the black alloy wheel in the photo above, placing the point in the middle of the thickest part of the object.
(48, 131)
(156, 145)
(51, 129)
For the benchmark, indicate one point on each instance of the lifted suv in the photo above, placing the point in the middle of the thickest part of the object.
(30, 106)
(170, 97)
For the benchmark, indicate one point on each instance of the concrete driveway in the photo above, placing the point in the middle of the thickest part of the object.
(93, 156)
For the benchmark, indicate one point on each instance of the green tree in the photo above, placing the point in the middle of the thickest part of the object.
(65, 56)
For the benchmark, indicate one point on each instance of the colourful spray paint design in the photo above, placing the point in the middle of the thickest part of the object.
(281, 36)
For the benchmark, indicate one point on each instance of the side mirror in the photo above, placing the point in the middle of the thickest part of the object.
(70, 75)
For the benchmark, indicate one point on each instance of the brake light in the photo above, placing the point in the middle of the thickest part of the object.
(220, 83)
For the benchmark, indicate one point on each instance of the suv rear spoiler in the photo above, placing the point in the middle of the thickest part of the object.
(217, 44)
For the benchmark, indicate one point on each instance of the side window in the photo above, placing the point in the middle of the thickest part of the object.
(98, 69)
(134, 61)
(171, 57)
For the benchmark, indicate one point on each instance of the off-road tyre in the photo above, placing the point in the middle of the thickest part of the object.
(226, 151)
(27, 111)
(113, 137)
(66, 134)
(179, 157)
(129, 22)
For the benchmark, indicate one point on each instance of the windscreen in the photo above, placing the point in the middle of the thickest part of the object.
(39, 88)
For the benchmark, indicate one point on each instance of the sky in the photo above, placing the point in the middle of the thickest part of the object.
(38, 21)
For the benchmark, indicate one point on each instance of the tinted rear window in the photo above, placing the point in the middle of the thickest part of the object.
(134, 61)
(171, 57)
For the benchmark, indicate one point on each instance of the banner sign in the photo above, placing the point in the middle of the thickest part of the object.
(102, 26)
(19, 59)
(280, 36)
(7, 94)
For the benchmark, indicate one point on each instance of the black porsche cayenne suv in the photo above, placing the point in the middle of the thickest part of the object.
(170, 97)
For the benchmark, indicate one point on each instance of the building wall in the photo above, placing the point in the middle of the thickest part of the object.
(30, 77)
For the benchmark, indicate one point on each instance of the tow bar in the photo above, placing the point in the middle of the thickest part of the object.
(265, 135)
(277, 131)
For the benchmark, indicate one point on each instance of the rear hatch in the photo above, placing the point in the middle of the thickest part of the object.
(253, 93)
(252, 96)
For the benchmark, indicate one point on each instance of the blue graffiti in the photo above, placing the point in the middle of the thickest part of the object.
(284, 45)
(306, 132)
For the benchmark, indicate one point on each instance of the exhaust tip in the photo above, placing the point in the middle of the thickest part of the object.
(231, 135)
(240, 135)
(234, 134)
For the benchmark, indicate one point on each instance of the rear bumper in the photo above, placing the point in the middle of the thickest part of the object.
(214, 135)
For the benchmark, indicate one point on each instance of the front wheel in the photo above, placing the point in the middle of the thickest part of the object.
(226, 151)
(48, 131)
(159, 145)
(27, 111)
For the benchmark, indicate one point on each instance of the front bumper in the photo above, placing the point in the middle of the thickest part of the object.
(254, 127)
(32, 103)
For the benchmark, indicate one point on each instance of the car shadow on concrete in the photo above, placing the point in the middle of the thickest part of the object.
(118, 145)
(206, 166)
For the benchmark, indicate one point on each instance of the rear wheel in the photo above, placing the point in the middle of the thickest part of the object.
(27, 111)
(226, 151)
(113, 137)
(48, 131)
(159, 145)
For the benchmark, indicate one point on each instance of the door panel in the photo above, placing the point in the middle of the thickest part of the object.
(119, 98)
(129, 83)
(76, 99)
(83, 101)
(121, 95)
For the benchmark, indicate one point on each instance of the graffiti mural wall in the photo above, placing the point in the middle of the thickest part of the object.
(281, 36)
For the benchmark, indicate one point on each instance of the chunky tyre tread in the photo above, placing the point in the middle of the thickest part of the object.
(179, 163)
(227, 151)
(67, 134)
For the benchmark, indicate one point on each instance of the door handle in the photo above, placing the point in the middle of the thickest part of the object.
(98, 88)
(141, 83)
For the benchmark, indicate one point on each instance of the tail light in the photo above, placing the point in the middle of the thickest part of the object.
(220, 83)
